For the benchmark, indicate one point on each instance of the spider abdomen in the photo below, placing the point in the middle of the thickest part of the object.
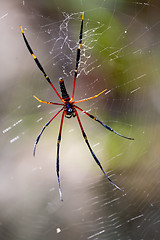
(65, 95)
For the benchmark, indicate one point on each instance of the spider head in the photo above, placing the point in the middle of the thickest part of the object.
(69, 109)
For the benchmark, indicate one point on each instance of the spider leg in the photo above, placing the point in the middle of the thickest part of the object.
(78, 56)
(41, 101)
(44, 127)
(57, 165)
(104, 125)
(86, 99)
(38, 63)
(93, 155)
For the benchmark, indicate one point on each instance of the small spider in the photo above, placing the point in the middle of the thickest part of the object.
(69, 109)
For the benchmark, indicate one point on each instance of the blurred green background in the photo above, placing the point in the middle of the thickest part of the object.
(120, 52)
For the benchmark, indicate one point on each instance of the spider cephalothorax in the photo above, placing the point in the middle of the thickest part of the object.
(69, 108)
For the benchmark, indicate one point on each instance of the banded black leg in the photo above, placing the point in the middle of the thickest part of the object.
(104, 125)
(57, 165)
(93, 155)
(78, 56)
(38, 63)
(46, 125)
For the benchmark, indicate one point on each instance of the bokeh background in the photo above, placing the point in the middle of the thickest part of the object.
(120, 52)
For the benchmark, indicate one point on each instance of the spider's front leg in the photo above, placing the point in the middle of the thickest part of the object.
(58, 146)
(93, 155)
(104, 125)
(44, 127)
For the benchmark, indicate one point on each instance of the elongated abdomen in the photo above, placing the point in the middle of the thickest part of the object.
(65, 95)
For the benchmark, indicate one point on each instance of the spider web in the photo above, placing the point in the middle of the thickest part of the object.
(120, 52)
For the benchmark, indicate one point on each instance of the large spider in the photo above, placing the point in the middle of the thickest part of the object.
(69, 109)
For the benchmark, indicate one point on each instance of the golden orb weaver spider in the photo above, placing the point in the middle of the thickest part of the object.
(69, 109)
